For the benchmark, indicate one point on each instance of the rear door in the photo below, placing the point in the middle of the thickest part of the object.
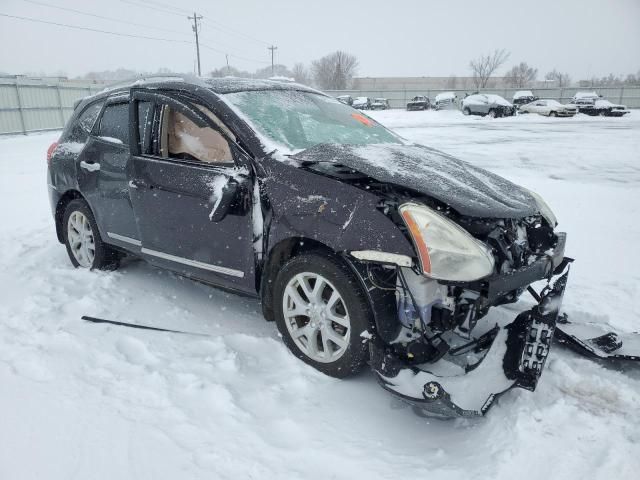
(483, 104)
(177, 176)
(103, 173)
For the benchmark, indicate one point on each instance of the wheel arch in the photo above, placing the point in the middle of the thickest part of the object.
(278, 255)
(61, 206)
(381, 303)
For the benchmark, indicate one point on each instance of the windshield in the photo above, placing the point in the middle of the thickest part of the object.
(290, 120)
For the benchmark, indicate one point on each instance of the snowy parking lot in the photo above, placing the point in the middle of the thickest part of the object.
(86, 401)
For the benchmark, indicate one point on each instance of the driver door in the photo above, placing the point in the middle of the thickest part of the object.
(178, 174)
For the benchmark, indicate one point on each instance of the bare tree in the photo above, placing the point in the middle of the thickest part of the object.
(301, 74)
(521, 75)
(486, 65)
(632, 79)
(563, 79)
(229, 71)
(278, 71)
(334, 71)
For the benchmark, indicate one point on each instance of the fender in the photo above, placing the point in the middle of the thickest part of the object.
(343, 217)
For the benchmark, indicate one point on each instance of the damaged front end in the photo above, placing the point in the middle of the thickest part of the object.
(471, 372)
(432, 351)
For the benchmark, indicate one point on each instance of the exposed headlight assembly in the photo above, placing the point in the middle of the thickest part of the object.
(545, 210)
(446, 251)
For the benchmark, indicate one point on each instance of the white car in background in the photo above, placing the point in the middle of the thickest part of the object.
(362, 103)
(446, 100)
(549, 107)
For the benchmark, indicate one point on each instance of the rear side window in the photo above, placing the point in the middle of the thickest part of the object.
(114, 123)
(145, 124)
(84, 123)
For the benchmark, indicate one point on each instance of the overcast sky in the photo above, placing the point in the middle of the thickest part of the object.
(390, 37)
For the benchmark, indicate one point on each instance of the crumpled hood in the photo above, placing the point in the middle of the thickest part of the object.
(468, 189)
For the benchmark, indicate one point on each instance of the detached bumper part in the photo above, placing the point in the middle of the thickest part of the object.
(598, 342)
(463, 386)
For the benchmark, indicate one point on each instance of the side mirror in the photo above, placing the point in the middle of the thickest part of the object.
(224, 199)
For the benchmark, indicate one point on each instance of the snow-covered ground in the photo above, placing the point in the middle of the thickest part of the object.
(88, 401)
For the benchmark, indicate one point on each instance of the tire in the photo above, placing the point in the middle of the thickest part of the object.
(553, 114)
(337, 349)
(466, 111)
(603, 113)
(492, 113)
(86, 250)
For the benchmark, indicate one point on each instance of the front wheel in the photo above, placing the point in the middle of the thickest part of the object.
(553, 114)
(466, 111)
(321, 310)
(492, 113)
(82, 239)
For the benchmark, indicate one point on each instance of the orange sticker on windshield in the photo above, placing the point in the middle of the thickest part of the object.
(362, 119)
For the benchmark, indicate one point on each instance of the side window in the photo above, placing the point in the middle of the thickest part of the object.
(114, 123)
(182, 139)
(84, 123)
(145, 124)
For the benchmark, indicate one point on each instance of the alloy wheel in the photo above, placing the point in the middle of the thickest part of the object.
(81, 240)
(316, 317)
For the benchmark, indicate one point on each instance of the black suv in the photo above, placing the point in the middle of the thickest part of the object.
(361, 246)
(419, 103)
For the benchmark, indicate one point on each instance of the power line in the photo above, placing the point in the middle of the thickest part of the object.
(164, 8)
(165, 5)
(253, 60)
(35, 2)
(223, 27)
(154, 8)
(130, 35)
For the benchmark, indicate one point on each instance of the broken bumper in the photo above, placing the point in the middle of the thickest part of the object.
(597, 341)
(466, 384)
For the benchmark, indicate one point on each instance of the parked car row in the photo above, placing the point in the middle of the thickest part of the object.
(593, 104)
(364, 103)
(486, 104)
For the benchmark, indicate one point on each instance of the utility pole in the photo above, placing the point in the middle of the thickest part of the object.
(272, 48)
(227, 57)
(195, 28)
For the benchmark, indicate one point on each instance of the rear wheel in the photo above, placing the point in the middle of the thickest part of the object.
(321, 310)
(82, 239)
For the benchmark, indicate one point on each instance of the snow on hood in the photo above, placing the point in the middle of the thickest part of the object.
(468, 189)
(498, 100)
(445, 96)
(607, 103)
(523, 94)
(586, 95)
(483, 98)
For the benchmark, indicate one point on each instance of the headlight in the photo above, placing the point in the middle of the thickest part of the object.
(446, 250)
(545, 210)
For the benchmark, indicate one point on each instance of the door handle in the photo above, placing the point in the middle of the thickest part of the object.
(90, 166)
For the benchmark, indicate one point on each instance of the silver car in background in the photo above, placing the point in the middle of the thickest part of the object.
(549, 108)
